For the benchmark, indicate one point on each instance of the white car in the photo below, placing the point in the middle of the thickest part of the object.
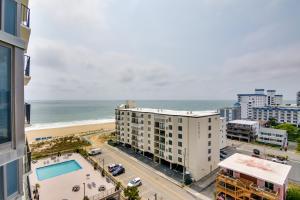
(135, 182)
(94, 152)
(279, 161)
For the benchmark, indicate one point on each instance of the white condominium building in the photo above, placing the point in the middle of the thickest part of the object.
(283, 114)
(258, 99)
(180, 139)
(298, 98)
(272, 136)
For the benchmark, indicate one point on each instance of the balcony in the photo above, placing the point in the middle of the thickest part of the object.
(27, 114)
(25, 23)
(240, 188)
(27, 76)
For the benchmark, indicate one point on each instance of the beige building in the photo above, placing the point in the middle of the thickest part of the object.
(180, 139)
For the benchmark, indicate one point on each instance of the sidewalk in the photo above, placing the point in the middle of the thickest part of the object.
(186, 188)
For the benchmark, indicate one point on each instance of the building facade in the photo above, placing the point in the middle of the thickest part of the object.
(223, 138)
(246, 177)
(273, 136)
(258, 99)
(242, 130)
(14, 37)
(183, 140)
(298, 98)
(283, 114)
(231, 113)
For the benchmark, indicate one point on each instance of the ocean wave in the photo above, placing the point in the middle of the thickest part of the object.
(66, 124)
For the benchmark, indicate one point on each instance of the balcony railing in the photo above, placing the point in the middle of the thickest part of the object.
(27, 65)
(246, 186)
(27, 113)
(25, 15)
(27, 159)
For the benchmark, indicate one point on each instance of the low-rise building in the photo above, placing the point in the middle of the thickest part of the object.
(246, 177)
(184, 140)
(223, 139)
(242, 130)
(272, 136)
(283, 114)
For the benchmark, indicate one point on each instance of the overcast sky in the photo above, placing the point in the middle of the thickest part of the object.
(163, 49)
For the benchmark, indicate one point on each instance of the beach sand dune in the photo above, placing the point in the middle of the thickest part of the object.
(31, 135)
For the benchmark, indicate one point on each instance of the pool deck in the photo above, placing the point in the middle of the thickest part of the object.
(60, 187)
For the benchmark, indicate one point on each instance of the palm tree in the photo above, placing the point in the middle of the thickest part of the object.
(132, 193)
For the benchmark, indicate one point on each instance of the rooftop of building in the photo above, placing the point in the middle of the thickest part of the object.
(246, 122)
(173, 112)
(259, 168)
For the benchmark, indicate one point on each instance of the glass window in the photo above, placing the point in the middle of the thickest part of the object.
(5, 70)
(1, 184)
(10, 17)
(179, 128)
(12, 171)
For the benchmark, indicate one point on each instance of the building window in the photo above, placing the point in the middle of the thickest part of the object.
(148, 141)
(10, 17)
(180, 144)
(209, 143)
(149, 116)
(170, 127)
(209, 158)
(209, 128)
(170, 157)
(5, 94)
(12, 171)
(170, 150)
(179, 120)
(149, 148)
(170, 134)
(170, 119)
(179, 152)
(179, 159)
(180, 136)
(209, 135)
(149, 128)
(209, 151)
(269, 185)
(179, 128)
(148, 135)
(149, 122)
(170, 142)
(209, 120)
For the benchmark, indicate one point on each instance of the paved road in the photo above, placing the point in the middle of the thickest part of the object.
(152, 183)
(246, 148)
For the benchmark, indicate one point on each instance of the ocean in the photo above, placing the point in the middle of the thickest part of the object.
(50, 114)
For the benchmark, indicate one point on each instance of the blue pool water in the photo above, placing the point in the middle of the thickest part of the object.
(58, 169)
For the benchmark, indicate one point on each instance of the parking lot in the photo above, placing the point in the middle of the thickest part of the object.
(152, 183)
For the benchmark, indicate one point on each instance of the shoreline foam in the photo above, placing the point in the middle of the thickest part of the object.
(53, 125)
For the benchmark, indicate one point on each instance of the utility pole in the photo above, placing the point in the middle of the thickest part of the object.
(183, 177)
(83, 190)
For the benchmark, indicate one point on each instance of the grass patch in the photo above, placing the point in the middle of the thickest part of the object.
(62, 145)
(293, 192)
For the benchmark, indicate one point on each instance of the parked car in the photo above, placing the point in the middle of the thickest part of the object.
(94, 152)
(256, 151)
(135, 182)
(119, 170)
(279, 161)
(112, 167)
(222, 157)
(223, 153)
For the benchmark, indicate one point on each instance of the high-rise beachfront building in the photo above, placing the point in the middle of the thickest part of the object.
(298, 98)
(14, 37)
(258, 99)
(231, 113)
(183, 140)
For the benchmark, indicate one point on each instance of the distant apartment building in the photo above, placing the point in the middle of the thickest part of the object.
(180, 139)
(242, 130)
(258, 99)
(223, 138)
(298, 98)
(231, 113)
(14, 38)
(246, 177)
(283, 114)
(272, 136)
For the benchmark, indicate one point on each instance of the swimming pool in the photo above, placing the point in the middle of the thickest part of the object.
(58, 169)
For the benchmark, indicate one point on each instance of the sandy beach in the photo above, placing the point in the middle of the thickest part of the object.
(32, 135)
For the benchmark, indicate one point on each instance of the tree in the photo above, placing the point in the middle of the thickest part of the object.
(272, 122)
(290, 128)
(132, 193)
(118, 186)
(293, 192)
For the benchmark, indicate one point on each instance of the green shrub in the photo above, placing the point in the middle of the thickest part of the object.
(293, 192)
